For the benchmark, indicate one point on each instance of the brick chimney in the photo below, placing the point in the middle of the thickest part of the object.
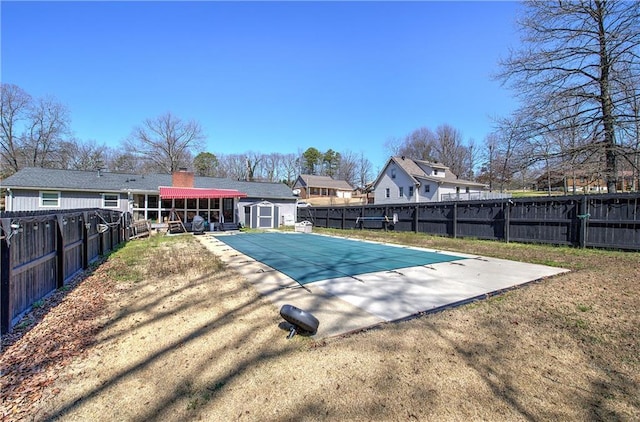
(182, 179)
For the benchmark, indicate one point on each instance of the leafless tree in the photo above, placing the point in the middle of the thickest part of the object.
(450, 150)
(32, 130)
(123, 162)
(272, 164)
(166, 141)
(78, 155)
(630, 133)
(419, 145)
(290, 168)
(580, 50)
(48, 124)
(253, 160)
(234, 166)
(506, 152)
(365, 171)
(471, 159)
(348, 167)
(14, 109)
(393, 145)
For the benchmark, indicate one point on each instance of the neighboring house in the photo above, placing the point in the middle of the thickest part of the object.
(585, 181)
(320, 188)
(152, 196)
(404, 180)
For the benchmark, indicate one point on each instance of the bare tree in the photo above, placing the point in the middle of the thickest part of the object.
(450, 150)
(471, 159)
(48, 124)
(290, 168)
(272, 164)
(364, 171)
(631, 131)
(347, 168)
(508, 149)
(393, 145)
(580, 50)
(77, 155)
(123, 162)
(253, 160)
(234, 166)
(166, 141)
(14, 108)
(419, 145)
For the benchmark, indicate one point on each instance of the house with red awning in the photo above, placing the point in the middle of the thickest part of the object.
(153, 197)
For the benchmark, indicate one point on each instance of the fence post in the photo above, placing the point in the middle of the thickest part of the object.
(583, 216)
(112, 232)
(118, 229)
(507, 219)
(415, 218)
(5, 286)
(344, 211)
(85, 240)
(385, 222)
(60, 221)
(101, 248)
(455, 219)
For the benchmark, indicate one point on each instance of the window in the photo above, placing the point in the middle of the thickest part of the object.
(110, 200)
(466, 189)
(49, 199)
(138, 201)
(410, 191)
(427, 188)
(435, 172)
(387, 193)
(152, 201)
(393, 173)
(401, 191)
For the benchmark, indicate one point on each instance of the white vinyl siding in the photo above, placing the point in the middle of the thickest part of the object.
(50, 199)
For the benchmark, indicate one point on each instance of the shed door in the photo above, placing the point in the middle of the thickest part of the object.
(265, 216)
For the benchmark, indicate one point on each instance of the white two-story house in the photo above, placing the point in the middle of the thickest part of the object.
(404, 180)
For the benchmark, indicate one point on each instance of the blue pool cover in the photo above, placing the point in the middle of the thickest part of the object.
(309, 257)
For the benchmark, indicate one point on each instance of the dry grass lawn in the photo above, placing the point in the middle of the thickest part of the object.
(173, 335)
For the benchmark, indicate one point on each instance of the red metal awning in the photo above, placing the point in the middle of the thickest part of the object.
(185, 193)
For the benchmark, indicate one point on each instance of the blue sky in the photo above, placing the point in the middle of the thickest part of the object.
(266, 76)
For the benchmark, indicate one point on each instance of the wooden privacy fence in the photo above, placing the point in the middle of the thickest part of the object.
(41, 252)
(599, 221)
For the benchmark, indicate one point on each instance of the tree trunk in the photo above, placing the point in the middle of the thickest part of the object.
(606, 103)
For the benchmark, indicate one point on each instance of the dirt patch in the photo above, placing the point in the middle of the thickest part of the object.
(186, 338)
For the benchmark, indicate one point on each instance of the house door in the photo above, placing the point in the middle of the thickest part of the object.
(227, 210)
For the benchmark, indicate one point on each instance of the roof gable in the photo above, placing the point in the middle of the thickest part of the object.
(415, 169)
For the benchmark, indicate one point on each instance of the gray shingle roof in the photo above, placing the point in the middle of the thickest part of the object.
(414, 170)
(40, 178)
